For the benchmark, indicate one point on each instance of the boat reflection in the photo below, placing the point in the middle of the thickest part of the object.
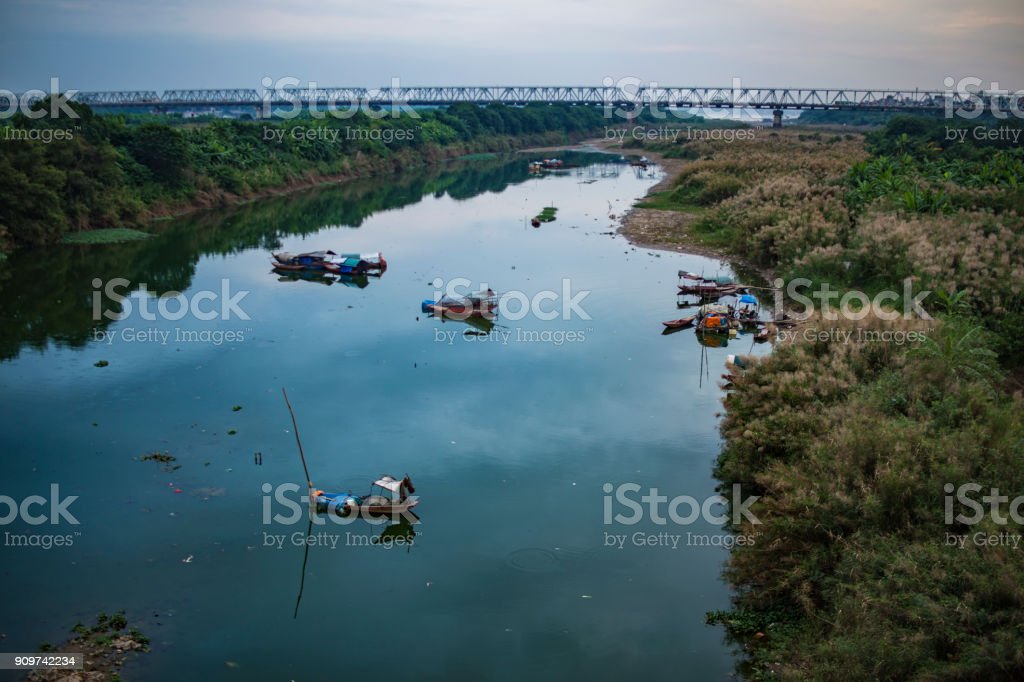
(325, 278)
(401, 533)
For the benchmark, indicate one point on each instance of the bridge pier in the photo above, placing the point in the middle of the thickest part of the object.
(777, 118)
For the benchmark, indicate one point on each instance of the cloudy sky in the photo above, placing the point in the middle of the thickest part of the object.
(165, 44)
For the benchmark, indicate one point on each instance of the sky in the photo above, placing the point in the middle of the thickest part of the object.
(172, 44)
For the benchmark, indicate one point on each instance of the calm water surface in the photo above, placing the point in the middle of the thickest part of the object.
(509, 440)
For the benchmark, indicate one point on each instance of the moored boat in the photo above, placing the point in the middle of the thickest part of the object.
(708, 290)
(346, 263)
(680, 323)
(483, 303)
(394, 498)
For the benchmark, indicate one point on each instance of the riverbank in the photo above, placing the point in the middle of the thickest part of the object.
(674, 214)
(854, 432)
(104, 648)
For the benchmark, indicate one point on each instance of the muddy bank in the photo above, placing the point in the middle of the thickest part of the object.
(654, 228)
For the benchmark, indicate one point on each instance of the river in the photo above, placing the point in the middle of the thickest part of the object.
(512, 439)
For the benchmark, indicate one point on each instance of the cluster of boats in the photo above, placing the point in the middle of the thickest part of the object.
(714, 317)
(330, 262)
(538, 167)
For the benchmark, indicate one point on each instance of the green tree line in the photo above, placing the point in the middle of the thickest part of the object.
(81, 172)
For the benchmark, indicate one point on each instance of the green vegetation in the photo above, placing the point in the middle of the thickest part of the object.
(112, 171)
(851, 441)
(845, 118)
(104, 646)
(547, 215)
(113, 235)
(49, 300)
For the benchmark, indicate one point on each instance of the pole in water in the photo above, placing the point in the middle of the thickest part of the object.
(295, 426)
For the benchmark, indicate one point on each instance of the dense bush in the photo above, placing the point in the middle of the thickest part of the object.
(850, 441)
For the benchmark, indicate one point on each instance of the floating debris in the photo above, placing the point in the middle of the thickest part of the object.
(101, 363)
(164, 458)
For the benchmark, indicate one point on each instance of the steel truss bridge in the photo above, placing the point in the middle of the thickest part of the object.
(775, 99)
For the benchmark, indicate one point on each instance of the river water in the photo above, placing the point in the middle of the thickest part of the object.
(512, 440)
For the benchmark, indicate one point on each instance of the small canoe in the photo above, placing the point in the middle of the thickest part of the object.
(458, 310)
(680, 323)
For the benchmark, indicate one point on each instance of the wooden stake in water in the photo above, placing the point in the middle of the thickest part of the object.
(295, 426)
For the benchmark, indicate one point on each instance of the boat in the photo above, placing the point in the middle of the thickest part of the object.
(708, 289)
(681, 323)
(312, 260)
(374, 261)
(393, 498)
(483, 303)
(345, 264)
(714, 323)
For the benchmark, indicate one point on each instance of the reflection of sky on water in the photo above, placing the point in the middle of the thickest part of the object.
(509, 446)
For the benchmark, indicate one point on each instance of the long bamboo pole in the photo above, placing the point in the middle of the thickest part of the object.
(295, 426)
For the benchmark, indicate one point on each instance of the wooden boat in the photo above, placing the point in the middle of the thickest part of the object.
(483, 303)
(714, 324)
(347, 263)
(681, 323)
(312, 260)
(708, 289)
(394, 498)
(456, 310)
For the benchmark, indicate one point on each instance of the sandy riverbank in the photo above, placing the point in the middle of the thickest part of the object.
(653, 228)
